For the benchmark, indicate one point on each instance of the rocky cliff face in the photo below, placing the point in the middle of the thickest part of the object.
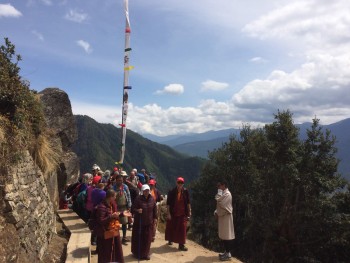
(30, 197)
(59, 117)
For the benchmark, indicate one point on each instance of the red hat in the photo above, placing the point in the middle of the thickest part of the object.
(180, 179)
(96, 180)
(153, 182)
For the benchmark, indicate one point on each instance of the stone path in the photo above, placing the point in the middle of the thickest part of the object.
(162, 252)
(78, 248)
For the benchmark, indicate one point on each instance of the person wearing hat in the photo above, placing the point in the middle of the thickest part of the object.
(106, 214)
(154, 191)
(123, 200)
(95, 168)
(106, 176)
(178, 213)
(145, 212)
(157, 198)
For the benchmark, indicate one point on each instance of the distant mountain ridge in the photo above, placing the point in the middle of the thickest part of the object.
(174, 140)
(202, 143)
(99, 143)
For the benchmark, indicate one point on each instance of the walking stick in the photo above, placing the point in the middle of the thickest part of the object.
(139, 244)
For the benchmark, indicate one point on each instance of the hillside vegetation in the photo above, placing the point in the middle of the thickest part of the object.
(99, 143)
(22, 123)
(290, 204)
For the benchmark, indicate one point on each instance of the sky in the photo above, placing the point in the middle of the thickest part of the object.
(199, 65)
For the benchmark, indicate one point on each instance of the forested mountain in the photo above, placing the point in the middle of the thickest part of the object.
(289, 204)
(100, 143)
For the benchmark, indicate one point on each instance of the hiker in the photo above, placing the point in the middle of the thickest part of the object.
(88, 203)
(97, 178)
(98, 194)
(154, 191)
(94, 170)
(109, 247)
(223, 214)
(145, 213)
(106, 176)
(64, 199)
(132, 182)
(178, 213)
(111, 180)
(157, 198)
(79, 194)
(86, 180)
(146, 176)
(123, 201)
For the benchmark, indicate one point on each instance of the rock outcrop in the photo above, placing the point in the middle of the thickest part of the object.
(29, 196)
(59, 117)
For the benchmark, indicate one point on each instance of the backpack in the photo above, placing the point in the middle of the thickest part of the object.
(81, 200)
(142, 178)
(79, 203)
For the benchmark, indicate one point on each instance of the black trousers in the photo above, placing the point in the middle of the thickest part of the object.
(227, 245)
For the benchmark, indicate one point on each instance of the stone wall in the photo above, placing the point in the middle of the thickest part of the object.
(29, 198)
(29, 211)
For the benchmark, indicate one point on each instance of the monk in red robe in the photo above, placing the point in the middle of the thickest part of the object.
(179, 212)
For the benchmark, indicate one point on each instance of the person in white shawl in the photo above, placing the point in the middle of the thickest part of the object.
(223, 213)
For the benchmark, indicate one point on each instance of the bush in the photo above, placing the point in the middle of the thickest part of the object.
(21, 116)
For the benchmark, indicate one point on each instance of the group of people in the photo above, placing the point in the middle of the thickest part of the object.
(112, 201)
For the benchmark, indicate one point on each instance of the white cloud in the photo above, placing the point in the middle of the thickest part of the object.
(38, 35)
(214, 115)
(101, 113)
(323, 80)
(76, 16)
(85, 45)
(173, 89)
(7, 10)
(311, 21)
(213, 85)
(258, 60)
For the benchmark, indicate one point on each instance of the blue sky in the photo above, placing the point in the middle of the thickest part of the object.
(199, 65)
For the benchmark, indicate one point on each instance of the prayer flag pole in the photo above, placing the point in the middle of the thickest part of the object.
(126, 86)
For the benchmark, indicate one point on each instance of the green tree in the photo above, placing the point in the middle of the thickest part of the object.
(287, 196)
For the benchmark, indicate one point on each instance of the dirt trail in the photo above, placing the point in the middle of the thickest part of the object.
(162, 252)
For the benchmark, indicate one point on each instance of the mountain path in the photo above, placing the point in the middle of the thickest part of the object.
(162, 252)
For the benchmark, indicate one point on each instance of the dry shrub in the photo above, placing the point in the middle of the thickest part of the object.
(45, 154)
(2, 132)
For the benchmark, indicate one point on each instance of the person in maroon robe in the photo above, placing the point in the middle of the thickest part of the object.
(109, 250)
(145, 217)
(178, 213)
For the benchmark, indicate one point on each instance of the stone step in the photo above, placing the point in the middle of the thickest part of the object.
(78, 248)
